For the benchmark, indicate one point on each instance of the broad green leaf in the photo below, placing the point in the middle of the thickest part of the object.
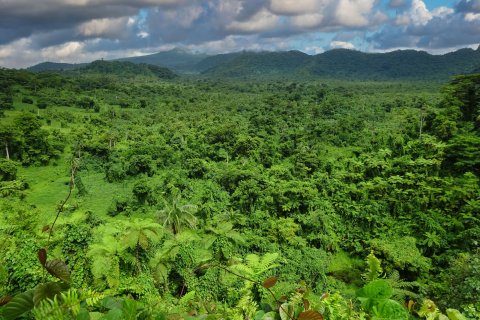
(46, 291)
(18, 305)
(58, 269)
(259, 315)
(83, 314)
(286, 311)
(129, 309)
(113, 314)
(454, 314)
(374, 292)
(391, 310)
(111, 303)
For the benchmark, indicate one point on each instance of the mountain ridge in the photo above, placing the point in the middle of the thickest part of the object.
(336, 63)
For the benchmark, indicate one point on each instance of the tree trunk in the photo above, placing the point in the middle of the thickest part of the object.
(139, 267)
(7, 154)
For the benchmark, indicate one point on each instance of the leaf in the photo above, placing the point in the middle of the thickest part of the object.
(83, 314)
(373, 293)
(129, 309)
(454, 314)
(377, 289)
(46, 291)
(42, 256)
(390, 309)
(5, 300)
(286, 311)
(113, 314)
(310, 315)
(58, 269)
(410, 305)
(270, 282)
(18, 305)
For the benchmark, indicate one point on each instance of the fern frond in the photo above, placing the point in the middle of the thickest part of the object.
(267, 262)
(374, 270)
(252, 260)
(49, 310)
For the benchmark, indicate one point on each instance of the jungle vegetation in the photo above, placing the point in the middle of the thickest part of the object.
(126, 196)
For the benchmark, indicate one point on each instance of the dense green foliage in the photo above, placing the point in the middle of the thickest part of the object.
(294, 65)
(195, 199)
(125, 68)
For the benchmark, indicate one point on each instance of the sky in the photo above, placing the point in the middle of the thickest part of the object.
(33, 31)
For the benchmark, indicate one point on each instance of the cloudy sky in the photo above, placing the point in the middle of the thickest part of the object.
(33, 31)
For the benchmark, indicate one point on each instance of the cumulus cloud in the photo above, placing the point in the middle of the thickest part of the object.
(341, 45)
(471, 17)
(354, 13)
(72, 30)
(260, 22)
(443, 27)
(468, 6)
(417, 15)
(333, 14)
(297, 7)
(106, 27)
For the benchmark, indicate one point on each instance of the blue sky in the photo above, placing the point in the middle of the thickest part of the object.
(85, 30)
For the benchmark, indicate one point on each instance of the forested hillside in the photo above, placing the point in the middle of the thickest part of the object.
(136, 197)
(337, 64)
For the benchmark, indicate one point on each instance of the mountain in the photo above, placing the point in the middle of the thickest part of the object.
(348, 64)
(176, 59)
(125, 68)
(215, 60)
(336, 64)
(400, 64)
(254, 64)
(55, 66)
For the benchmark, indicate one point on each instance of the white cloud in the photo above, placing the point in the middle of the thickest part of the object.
(337, 14)
(182, 18)
(260, 22)
(442, 12)
(307, 21)
(63, 51)
(341, 45)
(354, 13)
(417, 15)
(297, 7)
(105, 27)
(471, 17)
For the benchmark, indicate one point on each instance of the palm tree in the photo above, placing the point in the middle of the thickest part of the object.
(178, 216)
(138, 236)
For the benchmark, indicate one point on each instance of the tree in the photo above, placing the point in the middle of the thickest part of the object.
(178, 216)
(7, 137)
(106, 259)
(139, 235)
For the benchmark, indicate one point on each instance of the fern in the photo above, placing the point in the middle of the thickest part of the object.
(374, 268)
(66, 305)
(401, 289)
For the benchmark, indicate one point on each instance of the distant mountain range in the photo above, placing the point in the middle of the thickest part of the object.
(55, 66)
(337, 64)
(176, 59)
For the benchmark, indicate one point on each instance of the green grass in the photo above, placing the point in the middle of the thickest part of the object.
(49, 186)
